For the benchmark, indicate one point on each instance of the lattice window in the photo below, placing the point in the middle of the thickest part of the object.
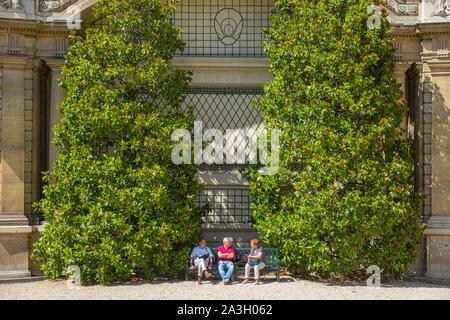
(228, 28)
(224, 27)
(227, 205)
(226, 108)
(222, 109)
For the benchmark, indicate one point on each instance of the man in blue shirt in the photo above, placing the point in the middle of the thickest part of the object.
(202, 257)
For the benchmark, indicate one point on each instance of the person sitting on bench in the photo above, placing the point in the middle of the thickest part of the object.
(202, 258)
(255, 260)
(226, 260)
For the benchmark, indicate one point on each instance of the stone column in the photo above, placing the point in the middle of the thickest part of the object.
(14, 225)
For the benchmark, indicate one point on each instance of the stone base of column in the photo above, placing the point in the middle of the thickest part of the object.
(13, 220)
(438, 247)
(14, 250)
(16, 274)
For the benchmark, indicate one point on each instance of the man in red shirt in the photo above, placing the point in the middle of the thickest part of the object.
(226, 260)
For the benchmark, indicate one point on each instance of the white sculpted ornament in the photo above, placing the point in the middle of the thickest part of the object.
(11, 4)
(443, 10)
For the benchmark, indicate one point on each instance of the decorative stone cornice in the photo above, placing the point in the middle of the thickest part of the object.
(402, 7)
(54, 5)
(32, 27)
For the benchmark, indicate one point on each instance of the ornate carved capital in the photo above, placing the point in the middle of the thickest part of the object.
(11, 4)
(54, 5)
(402, 7)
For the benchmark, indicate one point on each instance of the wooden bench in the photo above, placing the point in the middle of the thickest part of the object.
(271, 259)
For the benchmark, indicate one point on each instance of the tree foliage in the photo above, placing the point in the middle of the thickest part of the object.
(344, 197)
(117, 206)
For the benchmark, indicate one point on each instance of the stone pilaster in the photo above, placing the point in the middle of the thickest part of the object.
(437, 160)
(29, 81)
(427, 132)
(14, 226)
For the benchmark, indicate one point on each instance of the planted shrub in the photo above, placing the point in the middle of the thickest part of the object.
(116, 206)
(344, 196)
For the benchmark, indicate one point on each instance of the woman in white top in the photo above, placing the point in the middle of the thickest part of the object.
(254, 260)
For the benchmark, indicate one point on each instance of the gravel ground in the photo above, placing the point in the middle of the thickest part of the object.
(288, 288)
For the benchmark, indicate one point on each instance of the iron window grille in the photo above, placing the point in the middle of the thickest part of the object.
(227, 205)
(229, 28)
(226, 108)
(221, 28)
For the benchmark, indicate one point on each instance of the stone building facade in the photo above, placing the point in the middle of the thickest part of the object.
(230, 69)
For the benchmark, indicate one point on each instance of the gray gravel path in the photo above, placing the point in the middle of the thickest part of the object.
(292, 289)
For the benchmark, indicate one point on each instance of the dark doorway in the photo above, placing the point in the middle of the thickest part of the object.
(43, 125)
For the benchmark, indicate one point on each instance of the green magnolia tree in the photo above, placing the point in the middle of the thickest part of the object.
(116, 205)
(344, 196)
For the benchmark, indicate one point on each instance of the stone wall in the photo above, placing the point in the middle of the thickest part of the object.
(25, 45)
(34, 37)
